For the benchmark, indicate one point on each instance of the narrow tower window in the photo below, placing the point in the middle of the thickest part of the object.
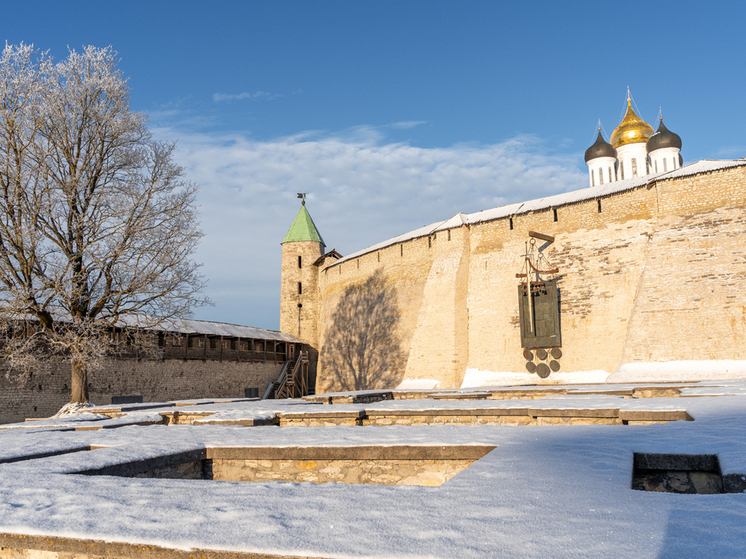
(593, 178)
(554, 211)
(665, 165)
(600, 176)
(599, 206)
(401, 250)
(300, 288)
(610, 179)
(634, 166)
(621, 168)
(300, 261)
(511, 223)
(656, 165)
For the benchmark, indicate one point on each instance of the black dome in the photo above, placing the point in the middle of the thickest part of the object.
(663, 138)
(601, 148)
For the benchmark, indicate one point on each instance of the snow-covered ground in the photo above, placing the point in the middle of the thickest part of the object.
(679, 371)
(553, 491)
(648, 371)
(477, 377)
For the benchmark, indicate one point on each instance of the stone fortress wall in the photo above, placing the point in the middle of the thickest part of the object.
(45, 393)
(189, 366)
(653, 272)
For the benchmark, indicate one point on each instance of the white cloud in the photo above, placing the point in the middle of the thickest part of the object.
(407, 124)
(361, 191)
(221, 97)
(730, 152)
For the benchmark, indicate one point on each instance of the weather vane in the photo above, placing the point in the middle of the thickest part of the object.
(302, 196)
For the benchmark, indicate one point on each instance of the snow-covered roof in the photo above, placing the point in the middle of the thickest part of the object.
(697, 168)
(187, 326)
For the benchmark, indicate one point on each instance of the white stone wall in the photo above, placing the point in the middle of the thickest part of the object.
(629, 155)
(602, 170)
(664, 159)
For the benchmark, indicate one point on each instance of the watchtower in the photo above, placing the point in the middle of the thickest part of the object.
(299, 294)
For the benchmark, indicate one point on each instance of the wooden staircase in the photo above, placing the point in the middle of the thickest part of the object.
(293, 380)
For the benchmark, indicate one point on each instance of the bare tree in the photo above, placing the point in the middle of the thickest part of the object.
(97, 224)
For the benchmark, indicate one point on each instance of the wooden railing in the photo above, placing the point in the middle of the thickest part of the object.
(223, 348)
(271, 391)
(291, 383)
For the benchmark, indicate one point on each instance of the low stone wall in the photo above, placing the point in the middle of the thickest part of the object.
(485, 416)
(44, 393)
(16, 546)
(379, 472)
(374, 465)
(326, 416)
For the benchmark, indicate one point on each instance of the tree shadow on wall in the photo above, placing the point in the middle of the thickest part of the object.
(362, 350)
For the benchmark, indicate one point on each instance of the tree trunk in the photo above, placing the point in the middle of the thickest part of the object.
(79, 384)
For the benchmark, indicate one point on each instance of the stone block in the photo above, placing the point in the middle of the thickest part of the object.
(656, 392)
(575, 413)
(656, 416)
(653, 461)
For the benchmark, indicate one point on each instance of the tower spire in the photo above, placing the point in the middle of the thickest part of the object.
(303, 228)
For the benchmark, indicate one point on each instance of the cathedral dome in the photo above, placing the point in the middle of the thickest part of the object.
(601, 148)
(663, 138)
(631, 130)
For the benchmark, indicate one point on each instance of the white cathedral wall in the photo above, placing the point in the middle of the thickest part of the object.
(628, 155)
(606, 165)
(664, 159)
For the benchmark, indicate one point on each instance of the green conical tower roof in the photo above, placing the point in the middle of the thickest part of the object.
(303, 229)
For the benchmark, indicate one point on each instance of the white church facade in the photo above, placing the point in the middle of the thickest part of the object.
(635, 150)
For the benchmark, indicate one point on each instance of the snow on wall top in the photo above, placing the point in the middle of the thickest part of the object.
(590, 193)
(187, 326)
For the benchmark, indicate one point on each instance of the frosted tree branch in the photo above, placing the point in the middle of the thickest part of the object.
(96, 220)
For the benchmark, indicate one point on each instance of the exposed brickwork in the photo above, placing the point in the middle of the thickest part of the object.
(691, 303)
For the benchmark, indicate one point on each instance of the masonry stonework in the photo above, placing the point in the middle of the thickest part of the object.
(43, 394)
(653, 273)
(300, 290)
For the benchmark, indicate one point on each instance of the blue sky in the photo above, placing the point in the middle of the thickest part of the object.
(394, 114)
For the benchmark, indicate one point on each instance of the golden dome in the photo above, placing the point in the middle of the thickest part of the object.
(631, 130)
